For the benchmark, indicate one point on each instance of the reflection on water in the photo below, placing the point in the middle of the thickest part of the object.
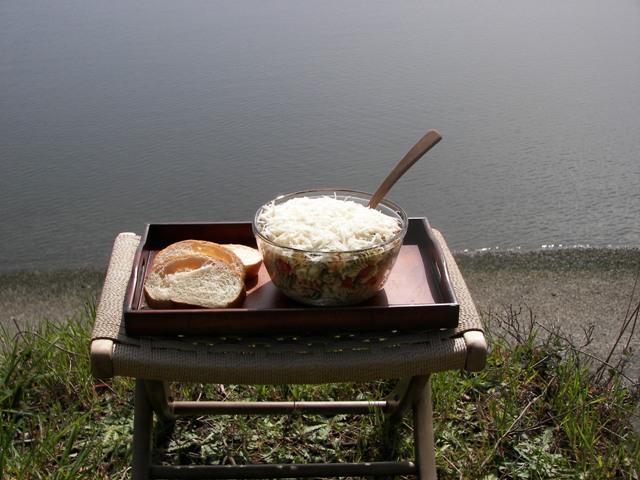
(116, 114)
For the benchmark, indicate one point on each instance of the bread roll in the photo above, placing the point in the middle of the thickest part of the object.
(250, 257)
(193, 280)
(201, 247)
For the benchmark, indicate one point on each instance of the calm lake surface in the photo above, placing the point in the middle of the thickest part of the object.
(114, 114)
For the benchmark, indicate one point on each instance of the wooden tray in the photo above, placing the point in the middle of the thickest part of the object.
(417, 295)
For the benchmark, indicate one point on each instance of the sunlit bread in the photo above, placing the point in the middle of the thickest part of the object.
(202, 247)
(250, 257)
(193, 280)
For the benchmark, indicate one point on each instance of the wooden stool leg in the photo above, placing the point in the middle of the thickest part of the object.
(158, 397)
(423, 434)
(404, 396)
(142, 433)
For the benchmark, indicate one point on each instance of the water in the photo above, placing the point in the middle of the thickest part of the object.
(121, 113)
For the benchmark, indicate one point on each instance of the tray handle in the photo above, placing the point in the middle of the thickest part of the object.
(440, 270)
(139, 269)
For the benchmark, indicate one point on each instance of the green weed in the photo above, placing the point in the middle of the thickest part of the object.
(541, 409)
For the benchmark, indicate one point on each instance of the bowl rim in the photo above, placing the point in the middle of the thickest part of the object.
(404, 220)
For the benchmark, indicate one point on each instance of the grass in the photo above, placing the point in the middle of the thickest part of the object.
(541, 409)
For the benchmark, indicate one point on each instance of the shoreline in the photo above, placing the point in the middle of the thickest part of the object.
(576, 290)
(573, 288)
(27, 297)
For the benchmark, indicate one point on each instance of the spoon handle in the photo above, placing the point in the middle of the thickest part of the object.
(416, 152)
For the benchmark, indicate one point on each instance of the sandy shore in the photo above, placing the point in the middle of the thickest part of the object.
(28, 297)
(572, 288)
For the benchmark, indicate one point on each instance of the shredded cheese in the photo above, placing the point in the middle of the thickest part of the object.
(325, 224)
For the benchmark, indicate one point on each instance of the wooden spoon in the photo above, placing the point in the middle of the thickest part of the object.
(417, 151)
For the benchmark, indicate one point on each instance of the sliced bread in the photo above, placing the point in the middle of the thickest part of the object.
(250, 257)
(187, 248)
(193, 280)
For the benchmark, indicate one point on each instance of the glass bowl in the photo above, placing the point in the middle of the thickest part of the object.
(317, 277)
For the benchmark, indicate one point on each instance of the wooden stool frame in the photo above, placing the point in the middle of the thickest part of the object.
(152, 397)
(154, 362)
